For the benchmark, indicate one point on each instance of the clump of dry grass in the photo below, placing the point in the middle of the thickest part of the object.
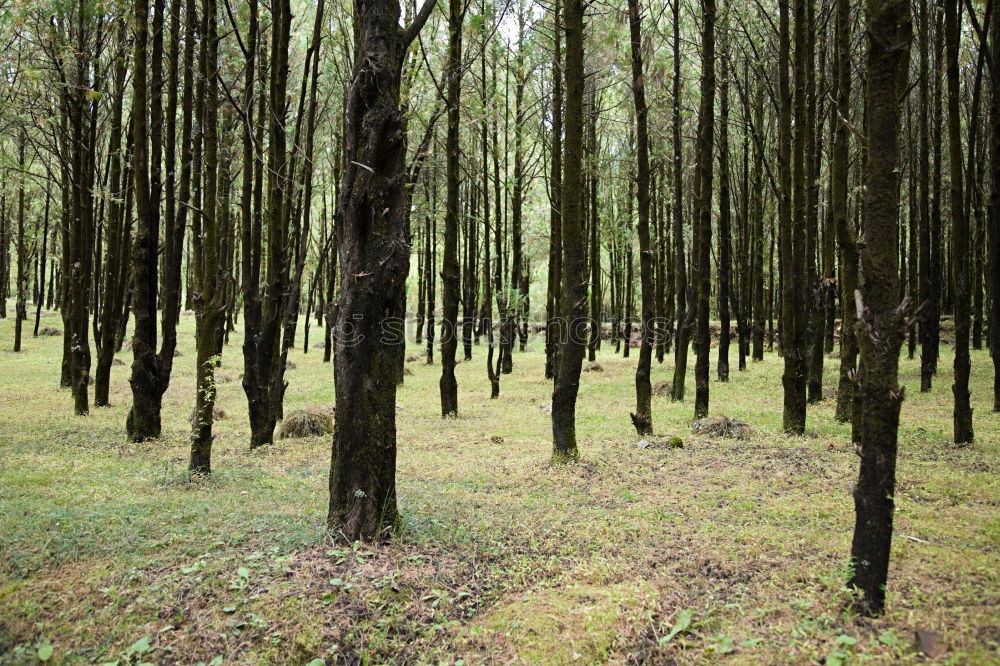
(722, 426)
(311, 422)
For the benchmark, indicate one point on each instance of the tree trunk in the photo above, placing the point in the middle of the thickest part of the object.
(375, 259)
(642, 419)
(209, 298)
(574, 265)
(846, 234)
(994, 214)
(450, 276)
(703, 201)
(961, 260)
(685, 319)
(553, 303)
(725, 233)
(21, 305)
(882, 320)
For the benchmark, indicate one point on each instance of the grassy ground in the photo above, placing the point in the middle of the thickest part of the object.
(729, 551)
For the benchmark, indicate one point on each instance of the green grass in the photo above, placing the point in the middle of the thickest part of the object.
(109, 552)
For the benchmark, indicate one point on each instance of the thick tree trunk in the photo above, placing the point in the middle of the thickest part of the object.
(144, 418)
(882, 320)
(375, 259)
(793, 378)
(574, 265)
(150, 374)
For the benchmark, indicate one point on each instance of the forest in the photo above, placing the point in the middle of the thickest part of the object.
(499, 331)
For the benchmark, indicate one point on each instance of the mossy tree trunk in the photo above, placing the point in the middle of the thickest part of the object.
(375, 258)
(210, 275)
(882, 320)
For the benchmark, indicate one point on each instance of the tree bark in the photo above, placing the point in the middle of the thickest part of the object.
(450, 275)
(642, 419)
(846, 234)
(685, 319)
(703, 203)
(994, 213)
(961, 256)
(375, 258)
(574, 266)
(882, 320)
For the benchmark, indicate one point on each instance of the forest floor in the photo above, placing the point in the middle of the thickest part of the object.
(720, 551)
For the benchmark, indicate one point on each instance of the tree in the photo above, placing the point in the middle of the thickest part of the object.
(846, 233)
(994, 214)
(450, 275)
(961, 255)
(375, 257)
(882, 319)
(725, 219)
(210, 275)
(573, 298)
(703, 206)
(117, 234)
(642, 419)
(21, 306)
(685, 318)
